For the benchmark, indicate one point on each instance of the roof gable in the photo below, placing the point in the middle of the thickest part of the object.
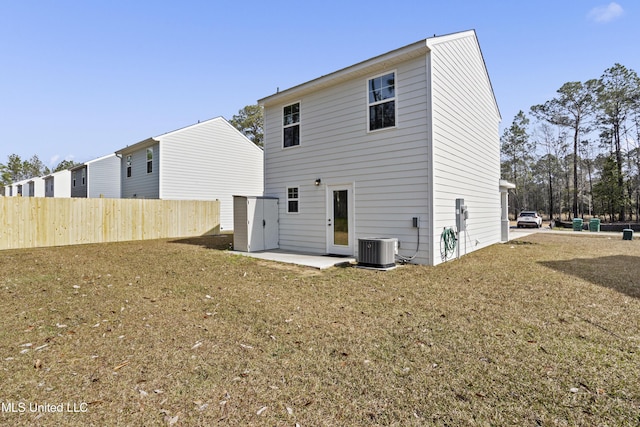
(158, 139)
(373, 66)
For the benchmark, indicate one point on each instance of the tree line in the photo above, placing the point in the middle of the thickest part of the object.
(578, 154)
(16, 169)
(574, 155)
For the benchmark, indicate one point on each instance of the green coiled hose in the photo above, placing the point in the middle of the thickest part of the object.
(447, 243)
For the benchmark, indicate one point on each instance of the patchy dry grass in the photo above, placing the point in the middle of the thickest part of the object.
(543, 331)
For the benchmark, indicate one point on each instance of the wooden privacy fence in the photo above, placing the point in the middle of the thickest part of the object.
(28, 222)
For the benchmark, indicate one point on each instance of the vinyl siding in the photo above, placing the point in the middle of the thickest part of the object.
(61, 181)
(466, 148)
(35, 187)
(49, 186)
(388, 168)
(80, 188)
(104, 177)
(208, 161)
(445, 146)
(140, 184)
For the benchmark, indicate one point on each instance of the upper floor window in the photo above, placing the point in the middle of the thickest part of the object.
(84, 176)
(149, 160)
(75, 175)
(128, 166)
(291, 125)
(382, 101)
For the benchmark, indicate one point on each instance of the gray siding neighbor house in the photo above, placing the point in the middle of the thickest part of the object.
(35, 187)
(210, 160)
(391, 147)
(58, 184)
(97, 178)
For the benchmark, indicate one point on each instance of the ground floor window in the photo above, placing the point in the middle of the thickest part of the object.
(292, 199)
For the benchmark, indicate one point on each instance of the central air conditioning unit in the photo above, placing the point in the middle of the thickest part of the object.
(377, 252)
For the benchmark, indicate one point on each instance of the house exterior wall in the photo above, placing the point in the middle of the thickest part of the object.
(140, 184)
(58, 184)
(466, 145)
(49, 186)
(388, 169)
(103, 176)
(17, 188)
(35, 187)
(445, 146)
(78, 183)
(208, 161)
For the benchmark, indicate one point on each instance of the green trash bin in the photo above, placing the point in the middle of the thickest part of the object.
(627, 234)
(594, 224)
(577, 224)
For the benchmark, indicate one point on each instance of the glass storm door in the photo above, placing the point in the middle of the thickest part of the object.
(339, 220)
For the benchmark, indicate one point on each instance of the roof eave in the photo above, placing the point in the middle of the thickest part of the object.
(137, 146)
(370, 66)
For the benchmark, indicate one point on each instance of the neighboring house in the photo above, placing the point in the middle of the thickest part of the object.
(19, 188)
(58, 184)
(385, 148)
(206, 161)
(35, 187)
(97, 178)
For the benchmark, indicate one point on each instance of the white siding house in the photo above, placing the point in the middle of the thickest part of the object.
(58, 184)
(97, 178)
(363, 151)
(35, 187)
(20, 188)
(210, 160)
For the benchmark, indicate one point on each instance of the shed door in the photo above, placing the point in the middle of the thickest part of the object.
(255, 212)
(270, 223)
(263, 224)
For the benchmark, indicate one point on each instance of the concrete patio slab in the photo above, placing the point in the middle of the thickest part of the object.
(309, 260)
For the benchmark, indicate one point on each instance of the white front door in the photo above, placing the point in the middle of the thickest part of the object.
(340, 233)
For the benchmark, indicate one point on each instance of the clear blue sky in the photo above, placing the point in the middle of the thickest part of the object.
(82, 78)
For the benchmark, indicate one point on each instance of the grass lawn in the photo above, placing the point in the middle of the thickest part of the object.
(540, 331)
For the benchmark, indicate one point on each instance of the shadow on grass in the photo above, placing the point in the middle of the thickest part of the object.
(218, 241)
(620, 273)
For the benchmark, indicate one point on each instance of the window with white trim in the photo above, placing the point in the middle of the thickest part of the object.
(84, 176)
(128, 166)
(149, 160)
(291, 125)
(293, 198)
(382, 101)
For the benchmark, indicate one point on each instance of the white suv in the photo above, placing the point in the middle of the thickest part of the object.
(529, 219)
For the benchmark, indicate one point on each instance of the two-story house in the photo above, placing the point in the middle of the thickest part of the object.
(97, 178)
(210, 160)
(386, 148)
